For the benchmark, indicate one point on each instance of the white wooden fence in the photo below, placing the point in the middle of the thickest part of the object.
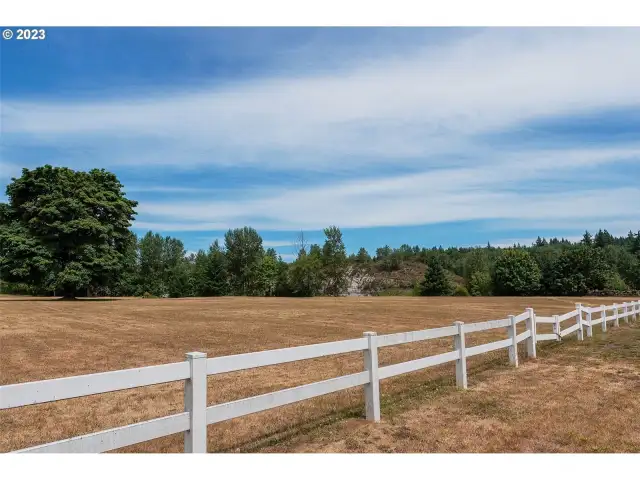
(194, 371)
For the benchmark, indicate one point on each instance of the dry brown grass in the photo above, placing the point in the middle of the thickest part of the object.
(578, 397)
(503, 409)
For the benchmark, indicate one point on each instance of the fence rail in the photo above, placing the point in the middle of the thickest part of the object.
(117, 437)
(194, 371)
(234, 363)
(545, 320)
(547, 336)
(44, 391)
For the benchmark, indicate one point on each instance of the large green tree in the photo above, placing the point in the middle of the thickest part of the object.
(578, 270)
(283, 287)
(268, 273)
(65, 230)
(305, 274)
(210, 272)
(127, 282)
(635, 244)
(362, 257)
(334, 263)
(152, 267)
(436, 279)
(244, 254)
(516, 273)
(180, 279)
(475, 269)
(603, 238)
(480, 284)
(177, 271)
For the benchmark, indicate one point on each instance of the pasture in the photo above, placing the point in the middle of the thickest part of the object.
(555, 403)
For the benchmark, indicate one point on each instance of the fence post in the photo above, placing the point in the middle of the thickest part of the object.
(625, 310)
(556, 326)
(513, 349)
(604, 318)
(372, 389)
(616, 319)
(461, 363)
(589, 326)
(195, 402)
(532, 327)
(636, 307)
(580, 332)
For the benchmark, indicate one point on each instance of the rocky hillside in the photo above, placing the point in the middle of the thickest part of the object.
(372, 280)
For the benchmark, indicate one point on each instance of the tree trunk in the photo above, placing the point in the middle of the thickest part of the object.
(68, 293)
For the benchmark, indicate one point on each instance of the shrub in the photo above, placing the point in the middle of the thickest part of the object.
(480, 284)
(390, 263)
(615, 283)
(461, 291)
(576, 271)
(516, 273)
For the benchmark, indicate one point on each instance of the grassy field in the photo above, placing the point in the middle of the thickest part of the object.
(578, 396)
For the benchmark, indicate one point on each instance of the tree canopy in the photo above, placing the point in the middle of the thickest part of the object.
(65, 230)
(516, 273)
(436, 279)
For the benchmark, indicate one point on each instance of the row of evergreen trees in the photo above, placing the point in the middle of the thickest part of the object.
(603, 264)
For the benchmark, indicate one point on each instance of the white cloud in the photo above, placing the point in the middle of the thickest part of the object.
(178, 227)
(510, 189)
(277, 243)
(316, 210)
(430, 101)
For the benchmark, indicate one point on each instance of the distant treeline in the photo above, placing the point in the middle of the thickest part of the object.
(68, 233)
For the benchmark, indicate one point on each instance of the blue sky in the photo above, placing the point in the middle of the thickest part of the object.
(423, 136)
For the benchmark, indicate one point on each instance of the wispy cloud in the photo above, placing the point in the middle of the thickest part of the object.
(307, 210)
(503, 190)
(428, 110)
(432, 101)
